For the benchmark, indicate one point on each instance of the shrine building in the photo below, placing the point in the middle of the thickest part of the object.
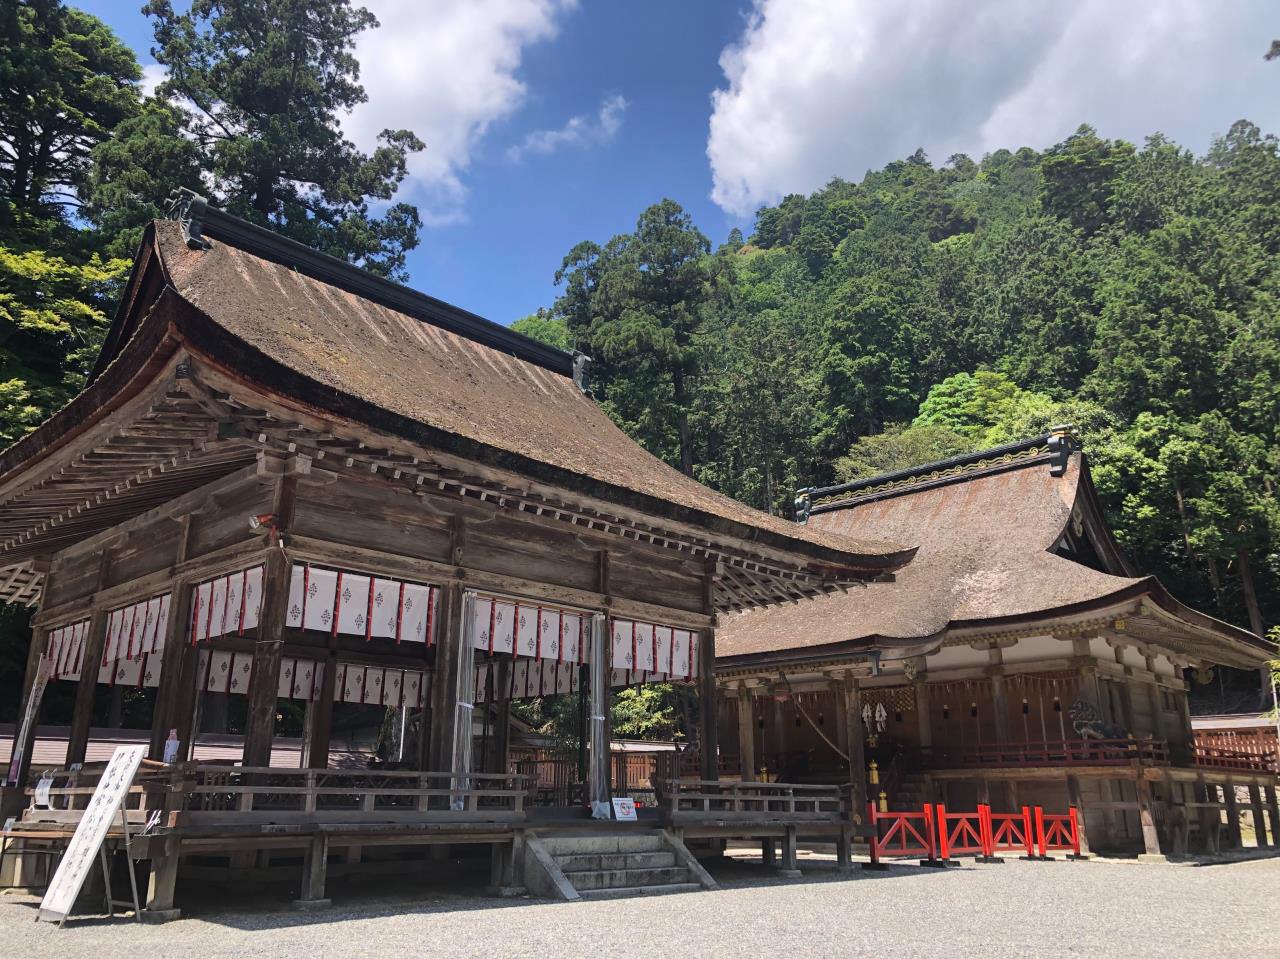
(1018, 659)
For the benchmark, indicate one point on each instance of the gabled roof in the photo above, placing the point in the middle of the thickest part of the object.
(1011, 535)
(338, 343)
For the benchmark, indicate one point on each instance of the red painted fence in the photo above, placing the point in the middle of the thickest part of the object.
(934, 834)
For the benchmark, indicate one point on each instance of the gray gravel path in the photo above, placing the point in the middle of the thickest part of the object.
(1017, 909)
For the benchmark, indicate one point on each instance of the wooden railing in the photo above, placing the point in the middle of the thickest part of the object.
(225, 794)
(68, 792)
(1235, 754)
(1066, 752)
(686, 799)
(205, 794)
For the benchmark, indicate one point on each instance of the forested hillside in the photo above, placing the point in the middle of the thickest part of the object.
(927, 310)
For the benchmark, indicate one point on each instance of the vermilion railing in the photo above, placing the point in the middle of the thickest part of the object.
(1063, 752)
(1215, 756)
(934, 834)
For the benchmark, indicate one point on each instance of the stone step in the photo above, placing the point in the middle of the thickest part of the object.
(624, 891)
(627, 878)
(592, 862)
(606, 844)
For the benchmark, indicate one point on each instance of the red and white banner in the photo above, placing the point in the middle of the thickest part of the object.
(526, 679)
(380, 686)
(513, 627)
(355, 604)
(133, 646)
(647, 652)
(226, 606)
(66, 650)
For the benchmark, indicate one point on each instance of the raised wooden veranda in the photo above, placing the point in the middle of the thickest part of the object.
(213, 821)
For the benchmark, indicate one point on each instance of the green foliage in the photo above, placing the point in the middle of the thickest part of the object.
(900, 447)
(67, 82)
(636, 304)
(546, 328)
(260, 86)
(645, 712)
(52, 321)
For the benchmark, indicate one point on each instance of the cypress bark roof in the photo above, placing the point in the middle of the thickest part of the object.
(361, 350)
(990, 532)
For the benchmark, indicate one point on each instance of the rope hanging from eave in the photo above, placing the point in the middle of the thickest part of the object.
(801, 710)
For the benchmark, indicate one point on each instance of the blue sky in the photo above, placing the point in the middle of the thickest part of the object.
(553, 121)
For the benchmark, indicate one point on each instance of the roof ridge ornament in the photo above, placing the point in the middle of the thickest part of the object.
(188, 208)
(1061, 442)
(581, 363)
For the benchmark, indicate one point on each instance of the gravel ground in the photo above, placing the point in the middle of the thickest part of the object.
(1018, 909)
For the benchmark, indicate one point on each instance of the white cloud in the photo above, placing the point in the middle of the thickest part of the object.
(446, 70)
(817, 89)
(582, 130)
(153, 74)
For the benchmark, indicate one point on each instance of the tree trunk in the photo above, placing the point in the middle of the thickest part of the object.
(682, 423)
(1250, 597)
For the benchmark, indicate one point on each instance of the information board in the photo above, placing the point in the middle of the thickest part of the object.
(91, 832)
(624, 810)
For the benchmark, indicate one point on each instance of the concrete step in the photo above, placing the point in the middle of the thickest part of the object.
(623, 892)
(627, 878)
(627, 843)
(615, 860)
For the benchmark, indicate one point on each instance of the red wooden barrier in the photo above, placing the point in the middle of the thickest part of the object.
(907, 834)
(961, 833)
(936, 834)
(1058, 832)
(1010, 832)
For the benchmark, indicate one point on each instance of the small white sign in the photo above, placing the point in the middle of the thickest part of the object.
(624, 810)
(91, 832)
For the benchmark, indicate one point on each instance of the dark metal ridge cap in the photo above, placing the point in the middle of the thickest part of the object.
(201, 221)
(965, 459)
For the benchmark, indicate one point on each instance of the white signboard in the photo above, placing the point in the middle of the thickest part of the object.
(90, 833)
(28, 719)
(624, 810)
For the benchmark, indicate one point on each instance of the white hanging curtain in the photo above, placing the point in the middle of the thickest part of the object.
(648, 652)
(226, 606)
(66, 650)
(503, 626)
(355, 604)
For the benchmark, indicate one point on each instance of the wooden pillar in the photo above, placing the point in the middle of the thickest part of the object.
(1233, 815)
(1000, 707)
(87, 687)
(438, 745)
(33, 687)
(790, 867)
(1273, 810)
(856, 736)
(1259, 817)
(500, 751)
(1076, 798)
(264, 680)
(709, 733)
(1157, 710)
(175, 684)
(746, 734)
(1146, 816)
(320, 715)
(162, 882)
(923, 717)
(1126, 706)
(1209, 816)
(598, 781)
(314, 873)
